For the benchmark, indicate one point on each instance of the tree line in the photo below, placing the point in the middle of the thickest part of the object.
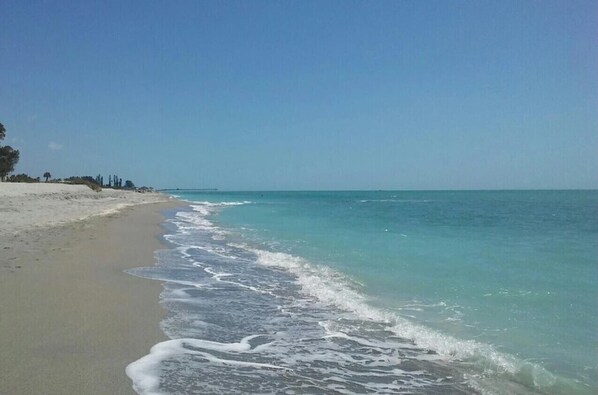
(10, 156)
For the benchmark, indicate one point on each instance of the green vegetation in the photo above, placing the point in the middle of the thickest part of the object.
(114, 181)
(8, 156)
(85, 180)
(21, 178)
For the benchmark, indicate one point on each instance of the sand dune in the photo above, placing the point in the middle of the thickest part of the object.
(26, 206)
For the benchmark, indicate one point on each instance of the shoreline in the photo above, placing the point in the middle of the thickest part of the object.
(71, 319)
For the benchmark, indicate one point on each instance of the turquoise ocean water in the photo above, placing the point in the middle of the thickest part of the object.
(378, 292)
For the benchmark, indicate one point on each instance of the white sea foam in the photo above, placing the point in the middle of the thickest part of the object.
(329, 287)
(194, 219)
(207, 208)
(332, 288)
(335, 289)
(220, 204)
(145, 371)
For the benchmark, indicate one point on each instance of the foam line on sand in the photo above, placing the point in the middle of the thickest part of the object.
(70, 319)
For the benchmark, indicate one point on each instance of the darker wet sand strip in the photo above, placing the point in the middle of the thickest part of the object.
(70, 318)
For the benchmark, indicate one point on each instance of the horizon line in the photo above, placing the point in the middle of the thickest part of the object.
(375, 190)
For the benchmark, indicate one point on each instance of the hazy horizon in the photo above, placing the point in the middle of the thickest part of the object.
(208, 190)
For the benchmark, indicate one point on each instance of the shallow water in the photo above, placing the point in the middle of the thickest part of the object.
(378, 292)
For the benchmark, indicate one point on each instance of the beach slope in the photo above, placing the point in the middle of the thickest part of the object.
(70, 318)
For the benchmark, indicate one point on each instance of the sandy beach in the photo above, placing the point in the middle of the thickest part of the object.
(70, 318)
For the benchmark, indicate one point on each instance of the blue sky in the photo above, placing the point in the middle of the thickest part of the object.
(304, 94)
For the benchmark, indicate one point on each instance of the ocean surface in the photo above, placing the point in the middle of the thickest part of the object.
(492, 292)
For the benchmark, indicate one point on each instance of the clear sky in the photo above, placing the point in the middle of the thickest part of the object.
(304, 94)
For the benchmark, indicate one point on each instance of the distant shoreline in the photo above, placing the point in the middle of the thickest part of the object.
(188, 189)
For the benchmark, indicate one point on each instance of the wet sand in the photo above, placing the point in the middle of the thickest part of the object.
(70, 318)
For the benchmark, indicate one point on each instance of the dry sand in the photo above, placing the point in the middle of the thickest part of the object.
(70, 318)
(25, 206)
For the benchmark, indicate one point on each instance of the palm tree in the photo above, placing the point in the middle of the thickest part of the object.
(47, 175)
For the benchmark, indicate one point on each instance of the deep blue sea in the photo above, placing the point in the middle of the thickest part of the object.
(492, 292)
